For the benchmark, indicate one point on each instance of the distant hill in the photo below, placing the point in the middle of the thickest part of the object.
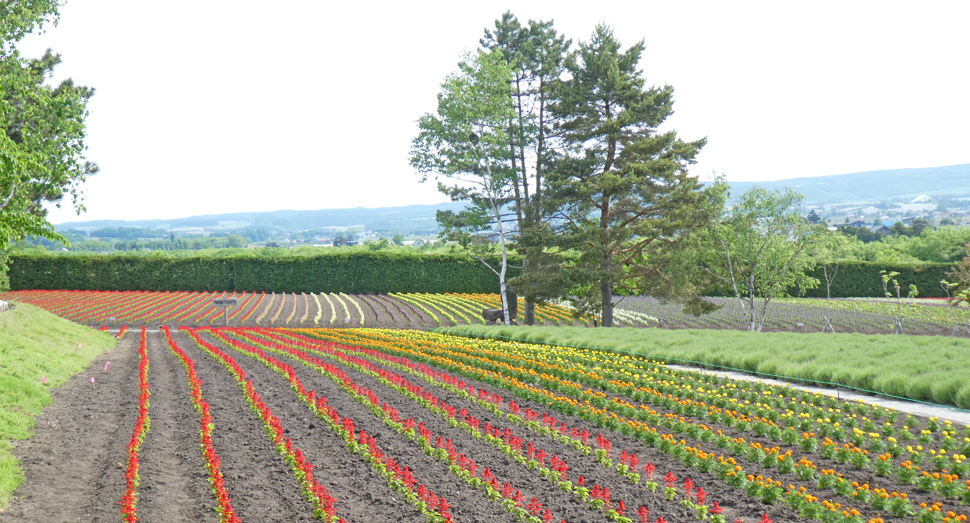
(381, 219)
(901, 185)
(896, 184)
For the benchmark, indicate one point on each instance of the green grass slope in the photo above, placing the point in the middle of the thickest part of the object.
(924, 368)
(35, 344)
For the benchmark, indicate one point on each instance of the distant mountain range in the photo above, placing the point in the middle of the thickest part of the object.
(952, 181)
(382, 219)
(901, 185)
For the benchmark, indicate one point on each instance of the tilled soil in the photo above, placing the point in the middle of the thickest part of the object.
(74, 464)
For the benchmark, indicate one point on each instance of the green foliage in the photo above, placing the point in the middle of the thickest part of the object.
(861, 279)
(620, 185)
(355, 272)
(877, 363)
(757, 249)
(42, 130)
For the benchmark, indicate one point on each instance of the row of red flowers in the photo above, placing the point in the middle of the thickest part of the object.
(130, 499)
(323, 501)
(399, 477)
(213, 463)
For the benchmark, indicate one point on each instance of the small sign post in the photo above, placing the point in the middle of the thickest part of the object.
(225, 303)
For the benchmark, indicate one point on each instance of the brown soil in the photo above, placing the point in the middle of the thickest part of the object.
(74, 464)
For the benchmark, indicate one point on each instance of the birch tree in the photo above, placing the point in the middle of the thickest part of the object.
(465, 146)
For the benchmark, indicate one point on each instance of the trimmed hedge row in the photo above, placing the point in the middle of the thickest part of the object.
(358, 273)
(353, 272)
(862, 279)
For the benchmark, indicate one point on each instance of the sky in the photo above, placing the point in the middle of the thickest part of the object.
(212, 106)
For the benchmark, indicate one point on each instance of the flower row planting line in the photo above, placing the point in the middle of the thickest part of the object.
(239, 310)
(323, 502)
(398, 477)
(692, 456)
(511, 444)
(543, 312)
(319, 314)
(196, 307)
(212, 461)
(527, 418)
(406, 309)
(420, 301)
(255, 306)
(373, 304)
(306, 308)
(942, 482)
(130, 499)
(204, 309)
(633, 385)
(506, 441)
(461, 466)
(219, 312)
(175, 307)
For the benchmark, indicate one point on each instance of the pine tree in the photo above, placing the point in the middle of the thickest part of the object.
(620, 186)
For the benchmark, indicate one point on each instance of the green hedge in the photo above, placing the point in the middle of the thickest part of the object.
(862, 279)
(351, 272)
(357, 272)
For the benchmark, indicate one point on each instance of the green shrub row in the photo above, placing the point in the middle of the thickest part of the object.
(353, 272)
(359, 273)
(856, 279)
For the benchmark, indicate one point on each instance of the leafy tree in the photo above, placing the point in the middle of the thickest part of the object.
(43, 129)
(466, 143)
(757, 248)
(535, 55)
(813, 217)
(377, 245)
(620, 186)
(398, 239)
(959, 276)
(830, 250)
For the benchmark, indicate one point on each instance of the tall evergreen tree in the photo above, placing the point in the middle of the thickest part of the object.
(620, 186)
(535, 54)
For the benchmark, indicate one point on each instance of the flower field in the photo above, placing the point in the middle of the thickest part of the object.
(871, 316)
(301, 424)
(422, 311)
(400, 310)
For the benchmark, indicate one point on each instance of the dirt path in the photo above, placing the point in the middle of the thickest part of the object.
(74, 464)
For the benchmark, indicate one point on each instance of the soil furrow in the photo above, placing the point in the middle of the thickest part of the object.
(362, 495)
(174, 481)
(735, 503)
(259, 481)
(467, 504)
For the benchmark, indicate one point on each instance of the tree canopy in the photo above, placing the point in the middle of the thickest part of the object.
(42, 151)
(620, 185)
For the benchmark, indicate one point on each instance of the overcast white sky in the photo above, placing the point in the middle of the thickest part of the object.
(209, 106)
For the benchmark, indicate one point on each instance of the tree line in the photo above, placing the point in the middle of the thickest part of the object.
(561, 153)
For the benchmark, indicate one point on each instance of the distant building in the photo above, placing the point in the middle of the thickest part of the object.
(881, 230)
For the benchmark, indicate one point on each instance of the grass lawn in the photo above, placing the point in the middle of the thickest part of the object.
(35, 344)
(927, 368)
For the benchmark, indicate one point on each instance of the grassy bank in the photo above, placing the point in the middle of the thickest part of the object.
(925, 368)
(35, 344)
